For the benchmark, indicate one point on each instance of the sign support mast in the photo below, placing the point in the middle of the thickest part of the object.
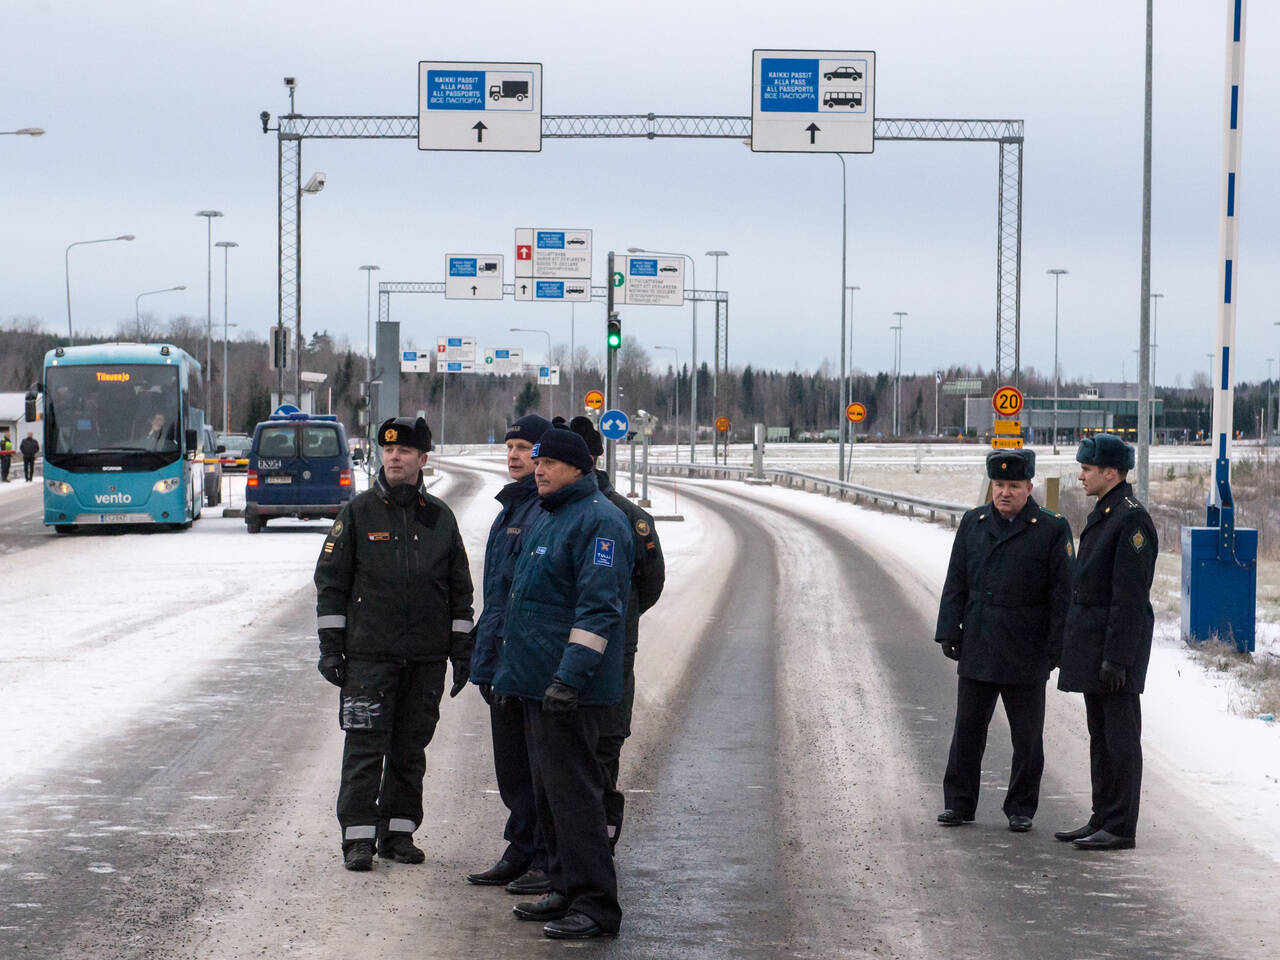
(610, 371)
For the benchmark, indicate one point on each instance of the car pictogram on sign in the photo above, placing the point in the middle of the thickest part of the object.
(843, 73)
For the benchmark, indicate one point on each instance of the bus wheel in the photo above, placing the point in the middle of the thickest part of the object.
(65, 528)
(254, 524)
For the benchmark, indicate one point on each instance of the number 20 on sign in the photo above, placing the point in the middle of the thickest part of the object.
(1007, 401)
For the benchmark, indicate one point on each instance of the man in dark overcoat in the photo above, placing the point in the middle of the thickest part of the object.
(1001, 617)
(1107, 640)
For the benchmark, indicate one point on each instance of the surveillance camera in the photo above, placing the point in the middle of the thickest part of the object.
(643, 414)
(265, 117)
(290, 82)
(315, 184)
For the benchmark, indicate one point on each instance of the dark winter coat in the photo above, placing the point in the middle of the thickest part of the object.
(1110, 616)
(520, 508)
(393, 575)
(648, 572)
(1006, 594)
(567, 609)
(29, 447)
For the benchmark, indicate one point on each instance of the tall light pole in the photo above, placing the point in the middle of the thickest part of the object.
(850, 289)
(23, 132)
(1057, 273)
(573, 346)
(368, 269)
(66, 259)
(1267, 416)
(693, 399)
(137, 311)
(551, 393)
(313, 186)
(897, 365)
(1144, 318)
(715, 375)
(675, 385)
(208, 335)
(1155, 347)
(226, 246)
(1276, 421)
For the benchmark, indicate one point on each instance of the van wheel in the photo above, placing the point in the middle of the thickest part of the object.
(254, 525)
(65, 528)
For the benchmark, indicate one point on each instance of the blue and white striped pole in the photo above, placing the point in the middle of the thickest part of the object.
(1221, 508)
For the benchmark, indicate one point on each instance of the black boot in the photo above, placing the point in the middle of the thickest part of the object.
(399, 847)
(358, 856)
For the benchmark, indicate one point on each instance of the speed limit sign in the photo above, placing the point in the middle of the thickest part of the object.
(1007, 401)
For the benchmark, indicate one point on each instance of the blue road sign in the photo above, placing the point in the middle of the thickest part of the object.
(286, 408)
(549, 290)
(462, 266)
(614, 425)
(408, 356)
(788, 85)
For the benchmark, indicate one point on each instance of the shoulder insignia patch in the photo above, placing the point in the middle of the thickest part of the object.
(328, 547)
(336, 529)
(380, 535)
(1106, 511)
(1137, 541)
(1132, 502)
(513, 531)
(642, 527)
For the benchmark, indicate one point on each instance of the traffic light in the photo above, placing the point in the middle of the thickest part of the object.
(614, 337)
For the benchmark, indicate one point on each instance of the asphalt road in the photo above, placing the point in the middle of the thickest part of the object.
(791, 726)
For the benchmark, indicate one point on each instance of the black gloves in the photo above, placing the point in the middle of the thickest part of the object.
(951, 649)
(333, 667)
(332, 640)
(486, 692)
(461, 674)
(559, 698)
(1113, 677)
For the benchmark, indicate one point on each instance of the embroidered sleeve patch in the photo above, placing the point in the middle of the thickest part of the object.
(336, 530)
(642, 527)
(604, 552)
(1137, 541)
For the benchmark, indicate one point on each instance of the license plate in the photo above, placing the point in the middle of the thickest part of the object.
(116, 518)
(284, 479)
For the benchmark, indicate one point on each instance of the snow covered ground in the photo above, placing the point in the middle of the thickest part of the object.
(121, 625)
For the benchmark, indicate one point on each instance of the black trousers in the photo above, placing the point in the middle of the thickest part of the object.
(975, 703)
(569, 784)
(525, 847)
(615, 727)
(389, 711)
(4, 468)
(28, 468)
(1115, 760)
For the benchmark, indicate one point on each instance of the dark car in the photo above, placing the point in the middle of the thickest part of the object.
(298, 467)
(235, 456)
(210, 452)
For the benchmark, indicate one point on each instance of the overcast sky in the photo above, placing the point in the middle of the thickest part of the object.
(152, 111)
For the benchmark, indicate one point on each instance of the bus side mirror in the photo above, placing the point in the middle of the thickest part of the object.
(193, 441)
(29, 411)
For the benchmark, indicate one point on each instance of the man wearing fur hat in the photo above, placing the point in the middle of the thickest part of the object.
(1001, 617)
(393, 604)
(1107, 640)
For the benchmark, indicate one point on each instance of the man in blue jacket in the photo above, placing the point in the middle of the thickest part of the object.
(522, 867)
(562, 657)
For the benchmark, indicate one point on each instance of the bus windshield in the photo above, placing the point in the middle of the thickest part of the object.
(117, 413)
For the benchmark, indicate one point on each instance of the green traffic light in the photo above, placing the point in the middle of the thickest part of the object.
(615, 340)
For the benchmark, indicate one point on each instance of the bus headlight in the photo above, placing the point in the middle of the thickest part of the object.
(58, 487)
(167, 486)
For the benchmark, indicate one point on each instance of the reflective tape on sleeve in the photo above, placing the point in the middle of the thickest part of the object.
(332, 621)
(461, 626)
(592, 641)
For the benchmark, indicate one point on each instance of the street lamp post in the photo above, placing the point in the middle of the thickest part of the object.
(848, 392)
(137, 310)
(226, 246)
(1057, 273)
(844, 266)
(551, 393)
(693, 399)
(1155, 347)
(715, 376)
(208, 336)
(67, 265)
(897, 365)
(675, 386)
(368, 269)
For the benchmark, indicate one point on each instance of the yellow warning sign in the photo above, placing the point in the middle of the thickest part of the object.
(1006, 443)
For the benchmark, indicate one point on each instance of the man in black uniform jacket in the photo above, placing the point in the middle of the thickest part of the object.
(1001, 616)
(648, 576)
(393, 603)
(1107, 640)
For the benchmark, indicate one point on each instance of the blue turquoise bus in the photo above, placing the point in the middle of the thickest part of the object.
(122, 437)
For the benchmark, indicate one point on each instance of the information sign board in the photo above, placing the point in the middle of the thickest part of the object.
(412, 362)
(813, 101)
(1009, 427)
(455, 349)
(648, 280)
(1006, 443)
(548, 376)
(504, 362)
(473, 276)
(454, 366)
(479, 106)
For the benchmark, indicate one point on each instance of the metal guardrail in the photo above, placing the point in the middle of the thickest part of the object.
(853, 492)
